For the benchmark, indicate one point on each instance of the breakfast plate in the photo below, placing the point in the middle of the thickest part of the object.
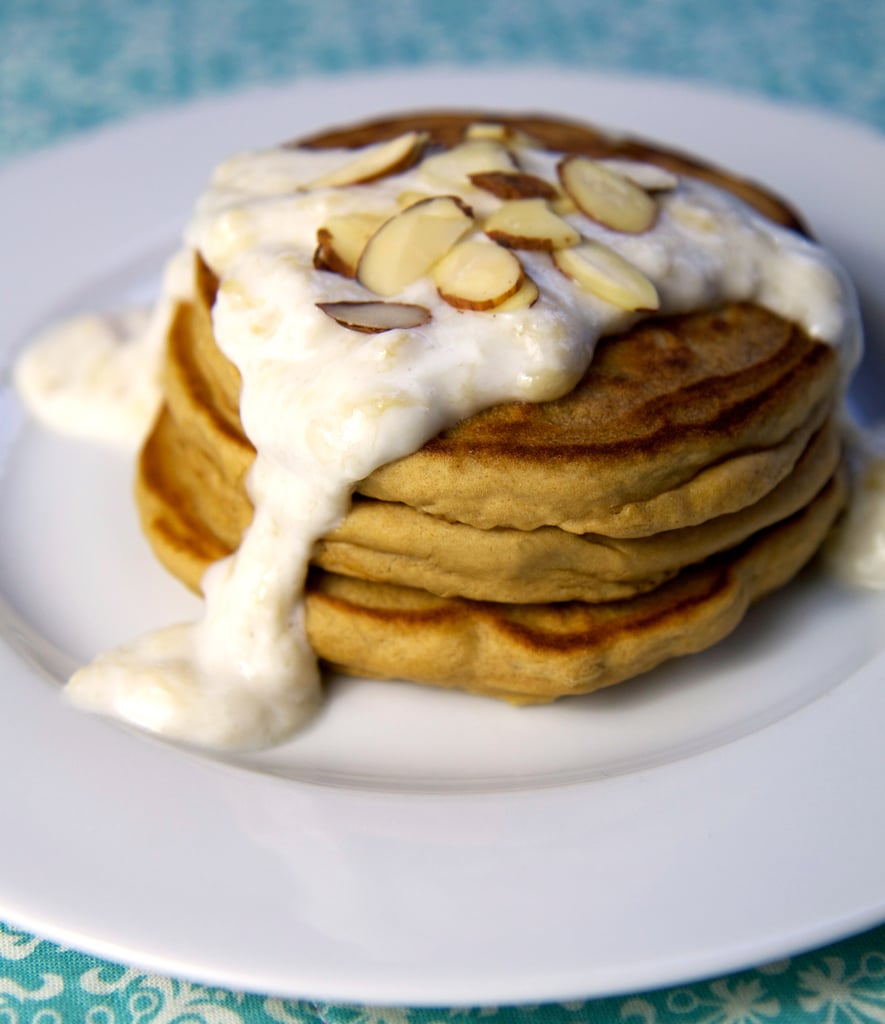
(414, 846)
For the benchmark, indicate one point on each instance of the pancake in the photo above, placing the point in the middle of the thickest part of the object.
(677, 421)
(198, 443)
(390, 542)
(539, 652)
(536, 550)
(395, 543)
(525, 652)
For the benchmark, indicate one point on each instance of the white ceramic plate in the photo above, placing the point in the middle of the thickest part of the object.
(414, 846)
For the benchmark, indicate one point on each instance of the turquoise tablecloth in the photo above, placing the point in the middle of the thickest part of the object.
(69, 65)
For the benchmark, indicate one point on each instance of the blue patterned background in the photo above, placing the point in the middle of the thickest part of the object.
(42, 984)
(67, 66)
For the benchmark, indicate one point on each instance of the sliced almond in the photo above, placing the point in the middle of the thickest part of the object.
(374, 162)
(607, 275)
(409, 198)
(375, 316)
(513, 185)
(563, 204)
(526, 296)
(529, 224)
(696, 218)
(651, 177)
(487, 130)
(606, 196)
(452, 168)
(340, 242)
(405, 247)
(477, 275)
(501, 133)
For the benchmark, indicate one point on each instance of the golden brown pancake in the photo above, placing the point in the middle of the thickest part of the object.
(197, 444)
(538, 652)
(395, 543)
(677, 421)
(537, 550)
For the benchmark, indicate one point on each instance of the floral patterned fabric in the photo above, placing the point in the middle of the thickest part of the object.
(66, 66)
(44, 984)
(69, 66)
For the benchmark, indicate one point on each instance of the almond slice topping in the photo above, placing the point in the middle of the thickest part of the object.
(651, 177)
(696, 218)
(340, 242)
(453, 167)
(487, 130)
(563, 205)
(607, 275)
(374, 162)
(477, 275)
(409, 198)
(529, 224)
(501, 133)
(527, 295)
(375, 316)
(513, 185)
(405, 247)
(606, 196)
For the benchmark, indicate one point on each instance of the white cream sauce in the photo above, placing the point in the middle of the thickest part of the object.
(325, 406)
(97, 376)
(855, 551)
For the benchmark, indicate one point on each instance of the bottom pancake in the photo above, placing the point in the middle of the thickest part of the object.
(539, 652)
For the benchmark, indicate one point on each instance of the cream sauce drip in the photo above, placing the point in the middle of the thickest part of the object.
(855, 552)
(325, 406)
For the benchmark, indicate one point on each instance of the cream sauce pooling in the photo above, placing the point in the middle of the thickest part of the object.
(98, 376)
(855, 552)
(325, 406)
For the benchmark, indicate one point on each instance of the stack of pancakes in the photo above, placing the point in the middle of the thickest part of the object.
(538, 550)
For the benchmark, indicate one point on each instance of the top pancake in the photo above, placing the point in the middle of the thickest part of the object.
(560, 135)
(678, 421)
